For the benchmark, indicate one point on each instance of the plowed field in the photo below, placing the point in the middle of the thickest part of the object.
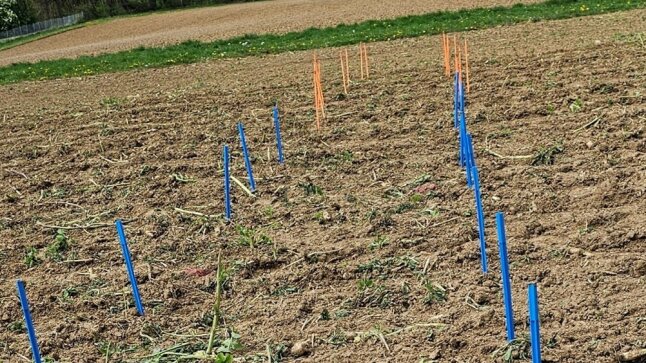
(219, 22)
(338, 248)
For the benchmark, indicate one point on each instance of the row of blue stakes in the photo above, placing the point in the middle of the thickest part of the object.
(247, 161)
(468, 162)
(31, 332)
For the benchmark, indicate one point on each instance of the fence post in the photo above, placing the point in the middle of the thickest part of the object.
(41, 26)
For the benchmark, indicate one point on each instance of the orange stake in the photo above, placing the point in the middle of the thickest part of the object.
(444, 52)
(319, 102)
(448, 55)
(317, 92)
(321, 98)
(445, 48)
(345, 86)
(466, 60)
(460, 60)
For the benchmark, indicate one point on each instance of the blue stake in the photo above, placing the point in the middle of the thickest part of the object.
(462, 123)
(463, 139)
(534, 323)
(279, 141)
(480, 215)
(227, 184)
(461, 142)
(471, 161)
(131, 270)
(247, 161)
(30, 324)
(506, 282)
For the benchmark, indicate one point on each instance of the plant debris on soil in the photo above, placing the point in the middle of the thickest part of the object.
(363, 247)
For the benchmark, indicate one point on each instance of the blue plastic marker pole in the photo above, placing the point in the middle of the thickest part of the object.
(463, 139)
(279, 140)
(458, 120)
(480, 215)
(506, 281)
(470, 161)
(472, 156)
(462, 124)
(245, 153)
(131, 270)
(534, 323)
(227, 184)
(35, 351)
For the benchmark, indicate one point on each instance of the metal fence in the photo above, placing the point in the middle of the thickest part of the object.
(42, 25)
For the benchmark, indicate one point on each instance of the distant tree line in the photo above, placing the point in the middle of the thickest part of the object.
(29, 11)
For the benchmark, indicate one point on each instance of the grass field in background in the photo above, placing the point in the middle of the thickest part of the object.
(368, 31)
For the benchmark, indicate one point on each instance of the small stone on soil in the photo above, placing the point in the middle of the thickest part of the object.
(300, 349)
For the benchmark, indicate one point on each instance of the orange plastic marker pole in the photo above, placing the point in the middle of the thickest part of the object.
(445, 48)
(316, 101)
(448, 56)
(444, 53)
(316, 81)
(317, 91)
(318, 119)
(316, 94)
(321, 98)
(345, 86)
(460, 60)
(466, 58)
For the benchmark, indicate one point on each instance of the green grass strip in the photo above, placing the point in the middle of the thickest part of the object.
(368, 31)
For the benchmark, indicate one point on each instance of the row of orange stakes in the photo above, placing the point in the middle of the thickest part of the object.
(457, 58)
(319, 100)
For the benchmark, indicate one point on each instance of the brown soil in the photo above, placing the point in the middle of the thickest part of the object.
(220, 22)
(89, 150)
